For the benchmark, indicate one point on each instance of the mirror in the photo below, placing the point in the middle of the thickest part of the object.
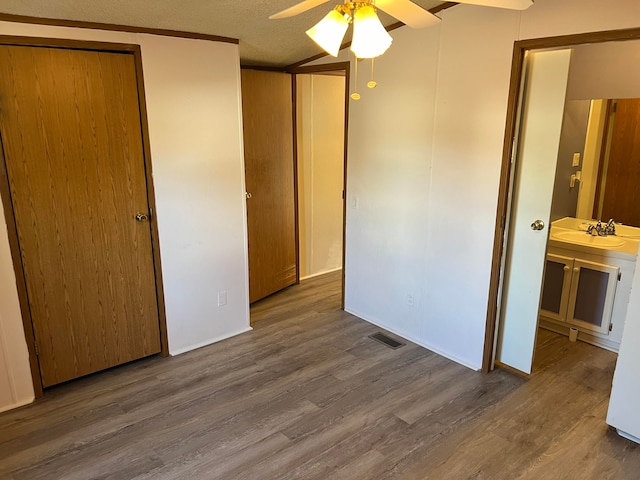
(598, 170)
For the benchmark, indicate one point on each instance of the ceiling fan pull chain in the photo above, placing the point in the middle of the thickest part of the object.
(355, 95)
(372, 83)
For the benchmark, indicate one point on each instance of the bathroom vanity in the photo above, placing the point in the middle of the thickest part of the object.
(587, 281)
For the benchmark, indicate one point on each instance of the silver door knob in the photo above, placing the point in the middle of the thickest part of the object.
(537, 225)
(141, 217)
(247, 194)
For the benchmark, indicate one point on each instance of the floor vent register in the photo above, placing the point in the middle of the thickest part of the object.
(387, 340)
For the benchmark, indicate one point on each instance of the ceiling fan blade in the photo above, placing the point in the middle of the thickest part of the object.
(408, 12)
(297, 9)
(510, 4)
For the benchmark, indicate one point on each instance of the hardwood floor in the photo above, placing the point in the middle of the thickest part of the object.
(307, 395)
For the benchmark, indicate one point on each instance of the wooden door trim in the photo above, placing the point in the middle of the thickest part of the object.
(18, 268)
(296, 203)
(5, 194)
(151, 198)
(329, 67)
(47, 42)
(505, 187)
(601, 158)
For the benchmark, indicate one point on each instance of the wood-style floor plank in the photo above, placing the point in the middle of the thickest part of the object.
(308, 395)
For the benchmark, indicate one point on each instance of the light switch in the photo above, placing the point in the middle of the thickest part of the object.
(576, 160)
(222, 298)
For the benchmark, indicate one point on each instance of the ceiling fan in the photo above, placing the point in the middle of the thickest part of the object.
(370, 38)
(329, 32)
(404, 10)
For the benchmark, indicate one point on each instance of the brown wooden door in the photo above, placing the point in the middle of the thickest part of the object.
(71, 131)
(267, 110)
(622, 187)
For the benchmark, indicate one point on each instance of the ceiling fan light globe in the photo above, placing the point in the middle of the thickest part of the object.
(370, 39)
(329, 32)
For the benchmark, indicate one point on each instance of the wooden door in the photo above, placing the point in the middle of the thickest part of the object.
(622, 187)
(267, 110)
(71, 131)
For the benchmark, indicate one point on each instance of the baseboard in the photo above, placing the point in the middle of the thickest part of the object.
(515, 371)
(211, 341)
(582, 335)
(415, 340)
(628, 436)
(320, 273)
(22, 403)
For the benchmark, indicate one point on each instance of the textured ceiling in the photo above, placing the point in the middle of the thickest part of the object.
(262, 41)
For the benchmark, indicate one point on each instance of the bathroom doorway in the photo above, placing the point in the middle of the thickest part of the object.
(508, 217)
(588, 278)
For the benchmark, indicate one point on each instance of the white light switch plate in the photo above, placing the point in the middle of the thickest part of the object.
(222, 298)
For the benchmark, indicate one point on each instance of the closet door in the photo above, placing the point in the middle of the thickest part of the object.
(267, 111)
(71, 133)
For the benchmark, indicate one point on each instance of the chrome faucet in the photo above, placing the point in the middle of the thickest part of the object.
(601, 230)
(610, 228)
(596, 230)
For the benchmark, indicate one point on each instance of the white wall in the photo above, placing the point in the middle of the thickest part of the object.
(320, 115)
(425, 149)
(388, 185)
(194, 113)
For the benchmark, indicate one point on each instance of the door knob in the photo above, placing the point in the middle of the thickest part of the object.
(141, 217)
(537, 225)
(247, 194)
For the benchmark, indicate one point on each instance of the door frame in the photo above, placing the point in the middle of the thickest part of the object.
(319, 69)
(5, 195)
(505, 188)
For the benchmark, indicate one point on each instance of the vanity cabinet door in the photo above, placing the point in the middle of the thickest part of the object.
(591, 297)
(556, 286)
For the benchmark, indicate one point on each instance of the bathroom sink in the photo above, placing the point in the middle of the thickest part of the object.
(627, 232)
(583, 238)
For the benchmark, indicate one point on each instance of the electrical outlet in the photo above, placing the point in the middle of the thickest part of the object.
(222, 298)
(410, 299)
(354, 202)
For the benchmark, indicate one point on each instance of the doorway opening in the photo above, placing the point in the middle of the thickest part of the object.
(320, 113)
(578, 278)
(321, 154)
(588, 277)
